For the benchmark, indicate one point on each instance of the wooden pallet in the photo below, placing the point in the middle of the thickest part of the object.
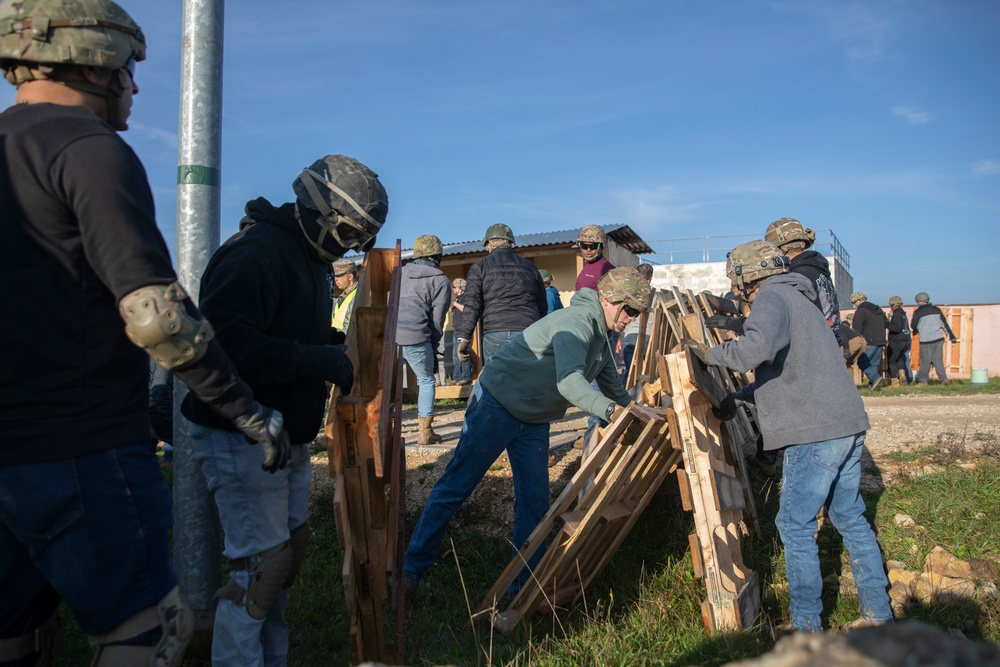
(367, 461)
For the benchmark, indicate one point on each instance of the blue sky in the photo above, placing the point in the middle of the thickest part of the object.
(878, 120)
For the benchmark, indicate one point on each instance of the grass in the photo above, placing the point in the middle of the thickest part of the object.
(645, 608)
(935, 388)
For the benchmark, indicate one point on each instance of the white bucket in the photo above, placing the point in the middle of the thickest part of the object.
(980, 376)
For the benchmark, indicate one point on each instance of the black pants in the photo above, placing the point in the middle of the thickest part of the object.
(897, 357)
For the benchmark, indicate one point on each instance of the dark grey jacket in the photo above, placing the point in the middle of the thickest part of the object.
(424, 298)
(506, 291)
(802, 389)
(871, 322)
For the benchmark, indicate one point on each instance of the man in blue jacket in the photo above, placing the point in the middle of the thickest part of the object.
(529, 383)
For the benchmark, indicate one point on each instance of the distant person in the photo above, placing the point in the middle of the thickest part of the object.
(630, 334)
(899, 341)
(552, 298)
(870, 321)
(345, 279)
(504, 290)
(807, 407)
(161, 409)
(931, 327)
(590, 242)
(529, 384)
(424, 298)
(267, 290)
(461, 373)
(852, 343)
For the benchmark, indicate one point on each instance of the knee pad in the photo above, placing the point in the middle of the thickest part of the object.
(299, 541)
(176, 622)
(42, 641)
(268, 572)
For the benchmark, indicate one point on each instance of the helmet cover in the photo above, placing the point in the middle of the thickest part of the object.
(427, 245)
(625, 285)
(498, 231)
(858, 296)
(789, 234)
(590, 234)
(922, 296)
(752, 262)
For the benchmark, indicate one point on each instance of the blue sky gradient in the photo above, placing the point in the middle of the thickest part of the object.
(878, 120)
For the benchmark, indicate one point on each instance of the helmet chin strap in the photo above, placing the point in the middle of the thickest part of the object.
(111, 94)
(317, 244)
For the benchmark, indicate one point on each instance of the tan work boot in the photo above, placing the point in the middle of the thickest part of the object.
(902, 376)
(425, 434)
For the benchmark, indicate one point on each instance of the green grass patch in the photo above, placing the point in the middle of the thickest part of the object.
(935, 388)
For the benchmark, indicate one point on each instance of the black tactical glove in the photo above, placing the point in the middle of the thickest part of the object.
(327, 362)
(723, 322)
(265, 426)
(697, 349)
(726, 409)
(464, 345)
(337, 337)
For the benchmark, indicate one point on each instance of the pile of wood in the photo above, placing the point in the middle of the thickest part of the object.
(368, 463)
(674, 431)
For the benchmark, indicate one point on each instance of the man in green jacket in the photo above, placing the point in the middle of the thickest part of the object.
(528, 384)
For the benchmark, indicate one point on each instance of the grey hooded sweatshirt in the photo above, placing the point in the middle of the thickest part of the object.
(802, 389)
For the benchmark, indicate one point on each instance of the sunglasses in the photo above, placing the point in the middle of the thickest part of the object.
(589, 246)
(630, 311)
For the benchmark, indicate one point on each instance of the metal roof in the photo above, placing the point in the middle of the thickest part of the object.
(621, 234)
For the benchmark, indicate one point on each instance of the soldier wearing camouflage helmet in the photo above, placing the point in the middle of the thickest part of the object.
(590, 242)
(504, 291)
(345, 280)
(267, 291)
(423, 306)
(461, 369)
(870, 321)
(529, 383)
(899, 342)
(99, 297)
(808, 406)
(552, 298)
(930, 326)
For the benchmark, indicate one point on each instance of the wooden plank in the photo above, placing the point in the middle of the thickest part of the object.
(697, 562)
(685, 490)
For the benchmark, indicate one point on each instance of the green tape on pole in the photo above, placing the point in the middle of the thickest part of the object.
(196, 174)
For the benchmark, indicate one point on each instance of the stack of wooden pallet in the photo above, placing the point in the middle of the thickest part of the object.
(635, 454)
(368, 463)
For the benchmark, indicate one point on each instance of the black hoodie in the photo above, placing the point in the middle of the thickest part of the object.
(871, 322)
(816, 268)
(266, 291)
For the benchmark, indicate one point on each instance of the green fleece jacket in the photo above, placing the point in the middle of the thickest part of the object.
(550, 365)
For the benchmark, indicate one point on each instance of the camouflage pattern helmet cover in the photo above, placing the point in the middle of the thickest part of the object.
(427, 245)
(858, 296)
(590, 234)
(922, 296)
(789, 233)
(344, 266)
(625, 285)
(35, 35)
(458, 283)
(546, 275)
(751, 262)
(895, 301)
(348, 195)
(498, 231)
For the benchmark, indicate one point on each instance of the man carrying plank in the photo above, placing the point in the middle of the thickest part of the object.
(808, 406)
(528, 384)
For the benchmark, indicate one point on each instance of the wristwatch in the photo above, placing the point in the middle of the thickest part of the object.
(610, 411)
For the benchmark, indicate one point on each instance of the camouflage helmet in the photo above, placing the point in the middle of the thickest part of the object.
(546, 275)
(858, 296)
(427, 245)
(751, 262)
(789, 234)
(36, 35)
(922, 296)
(895, 301)
(458, 283)
(344, 266)
(350, 198)
(625, 285)
(498, 231)
(590, 234)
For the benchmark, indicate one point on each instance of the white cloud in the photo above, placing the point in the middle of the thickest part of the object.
(913, 115)
(165, 138)
(863, 35)
(987, 167)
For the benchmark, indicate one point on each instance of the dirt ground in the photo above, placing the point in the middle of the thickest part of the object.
(909, 435)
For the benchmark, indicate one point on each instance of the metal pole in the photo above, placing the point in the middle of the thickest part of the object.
(196, 525)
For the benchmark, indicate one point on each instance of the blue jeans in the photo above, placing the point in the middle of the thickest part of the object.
(812, 474)
(420, 358)
(258, 510)
(488, 430)
(91, 530)
(492, 342)
(460, 370)
(868, 362)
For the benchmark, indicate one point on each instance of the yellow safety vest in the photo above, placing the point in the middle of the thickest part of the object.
(342, 311)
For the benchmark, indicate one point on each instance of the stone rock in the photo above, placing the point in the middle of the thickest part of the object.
(951, 587)
(923, 589)
(895, 565)
(939, 561)
(986, 589)
(980, 515)
(904, 521)
(931, 469)
(905, 577)
(983, 570)
(831, 580)
(899, 597)
(891, 645)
